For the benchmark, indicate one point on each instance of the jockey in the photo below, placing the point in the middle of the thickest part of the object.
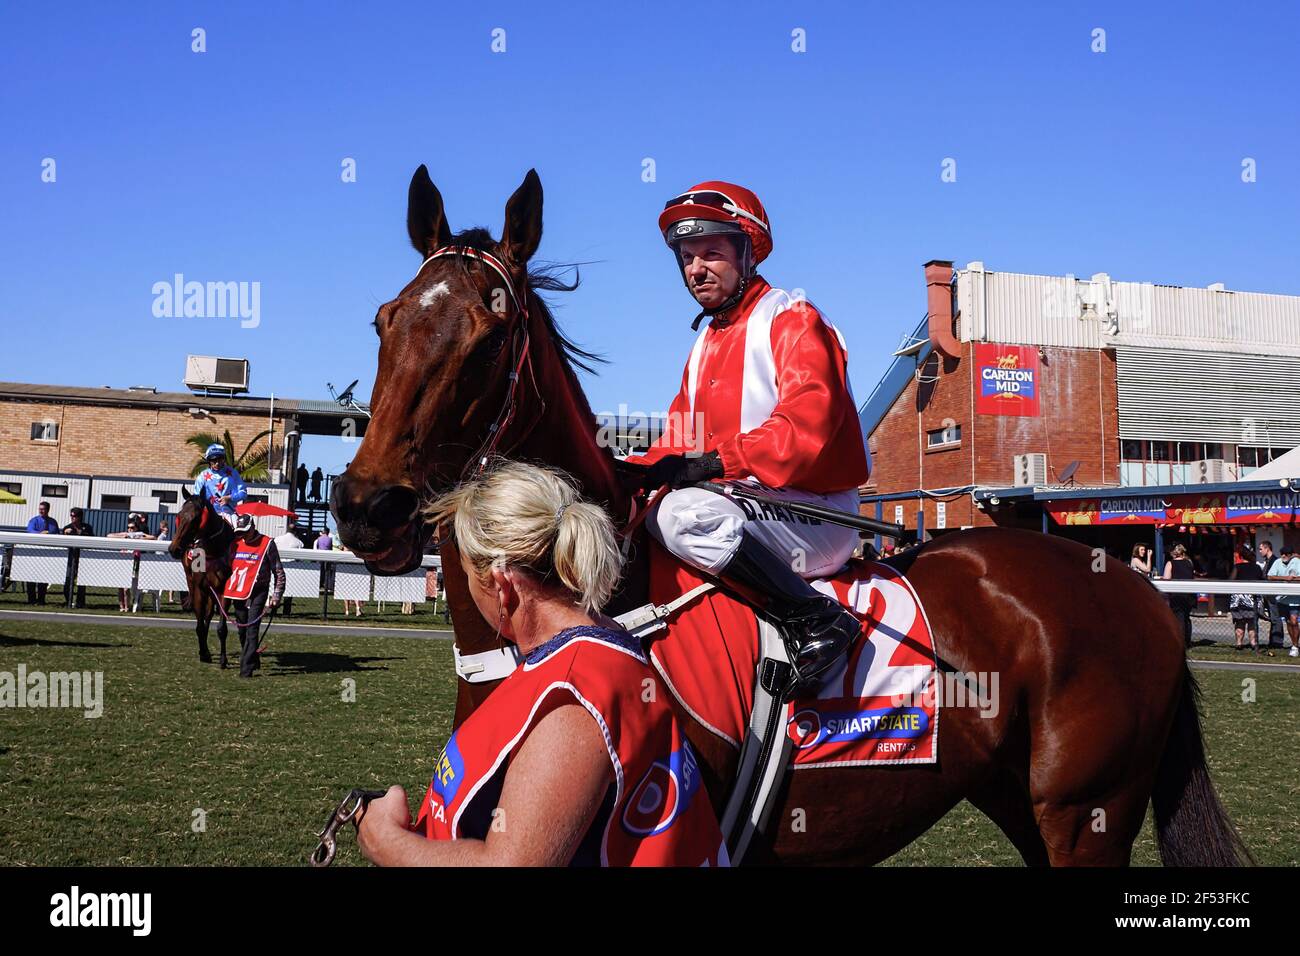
(220, 483)
(765, 398)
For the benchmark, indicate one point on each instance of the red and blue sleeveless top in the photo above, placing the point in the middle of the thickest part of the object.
(656, 812)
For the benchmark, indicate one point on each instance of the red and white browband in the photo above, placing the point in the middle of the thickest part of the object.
(492, 261)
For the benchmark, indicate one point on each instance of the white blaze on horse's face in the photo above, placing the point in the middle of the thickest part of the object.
(433, 293)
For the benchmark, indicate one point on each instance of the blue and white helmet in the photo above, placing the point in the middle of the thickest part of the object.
(214, 451)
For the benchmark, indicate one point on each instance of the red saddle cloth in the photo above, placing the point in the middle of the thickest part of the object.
(877, 706)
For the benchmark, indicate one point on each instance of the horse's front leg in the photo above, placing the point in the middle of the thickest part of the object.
(202, 617)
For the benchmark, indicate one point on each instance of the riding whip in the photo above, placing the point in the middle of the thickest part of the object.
(832, 515)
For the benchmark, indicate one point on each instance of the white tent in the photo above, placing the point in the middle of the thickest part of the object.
(1284, 466)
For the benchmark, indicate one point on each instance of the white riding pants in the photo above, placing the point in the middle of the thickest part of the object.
(704, 529)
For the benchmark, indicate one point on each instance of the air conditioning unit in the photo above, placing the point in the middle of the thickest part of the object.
(1209, 471)
(1029, 470)
(208, 373)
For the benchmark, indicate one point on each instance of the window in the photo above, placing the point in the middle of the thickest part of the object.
(1189, 451)
(1130, 450)
(115, 502)
(1159, 451)
(948, 435)
(45, 431)
(13, 487)
(54, 491)
(166, 497)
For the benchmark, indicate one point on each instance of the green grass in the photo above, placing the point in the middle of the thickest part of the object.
(266, 758)
(1226, 652)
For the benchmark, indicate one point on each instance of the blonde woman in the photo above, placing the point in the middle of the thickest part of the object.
(576, 758)
(1179, 567)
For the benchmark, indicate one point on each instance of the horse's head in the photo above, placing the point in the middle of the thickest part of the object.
(448, 344)
(194, 523)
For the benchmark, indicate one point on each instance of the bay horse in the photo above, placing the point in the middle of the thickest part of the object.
(201, 531)
(1098, 710)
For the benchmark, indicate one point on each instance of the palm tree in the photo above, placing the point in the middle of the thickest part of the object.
(252, 465)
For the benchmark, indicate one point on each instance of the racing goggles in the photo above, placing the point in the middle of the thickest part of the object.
(712, 199)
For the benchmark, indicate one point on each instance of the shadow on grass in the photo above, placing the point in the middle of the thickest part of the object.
(288, 663)
(7, 640)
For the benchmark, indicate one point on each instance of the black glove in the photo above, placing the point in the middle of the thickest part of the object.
(679, 470)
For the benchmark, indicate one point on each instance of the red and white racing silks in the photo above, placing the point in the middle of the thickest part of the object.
(767, 386)
(657, 812)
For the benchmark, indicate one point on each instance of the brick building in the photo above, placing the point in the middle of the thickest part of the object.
(52, 428)
(1040, 382)
(76, 445)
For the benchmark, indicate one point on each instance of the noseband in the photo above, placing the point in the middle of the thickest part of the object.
(520, 351)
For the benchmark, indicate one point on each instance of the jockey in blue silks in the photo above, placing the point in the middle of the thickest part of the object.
(220, 483)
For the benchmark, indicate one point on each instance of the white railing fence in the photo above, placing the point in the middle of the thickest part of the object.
(69, 563)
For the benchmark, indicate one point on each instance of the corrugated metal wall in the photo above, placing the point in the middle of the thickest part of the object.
(89, 493)
(17, 516)
(1184, 395)
(1098, 312)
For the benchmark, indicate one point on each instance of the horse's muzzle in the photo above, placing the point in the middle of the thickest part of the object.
(381, 525)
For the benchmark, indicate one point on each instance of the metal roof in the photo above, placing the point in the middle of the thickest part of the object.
(144, 398)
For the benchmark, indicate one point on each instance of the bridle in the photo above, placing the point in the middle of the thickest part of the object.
(520, 354)
(203, 537)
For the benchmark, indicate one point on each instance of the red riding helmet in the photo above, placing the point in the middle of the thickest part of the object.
(734, 208)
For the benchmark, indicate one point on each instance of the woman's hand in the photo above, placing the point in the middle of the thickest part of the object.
(381, 824)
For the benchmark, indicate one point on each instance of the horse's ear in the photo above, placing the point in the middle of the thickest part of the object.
(426, 220)
(186, 493)
(523, 231)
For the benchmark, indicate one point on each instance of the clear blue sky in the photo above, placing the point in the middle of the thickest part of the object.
(225, 165)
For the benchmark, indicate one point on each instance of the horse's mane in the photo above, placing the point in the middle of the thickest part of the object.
(544, 277)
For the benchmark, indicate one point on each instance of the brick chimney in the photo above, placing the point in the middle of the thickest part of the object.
(938, 294)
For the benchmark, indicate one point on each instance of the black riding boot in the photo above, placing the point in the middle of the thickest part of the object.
(817, 629)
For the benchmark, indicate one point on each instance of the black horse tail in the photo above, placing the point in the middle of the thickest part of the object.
(1192, 828)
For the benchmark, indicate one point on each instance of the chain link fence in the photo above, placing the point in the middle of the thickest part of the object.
(1216, 617)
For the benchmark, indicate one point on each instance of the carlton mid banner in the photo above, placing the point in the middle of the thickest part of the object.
(1008, 379)
(1248, 508)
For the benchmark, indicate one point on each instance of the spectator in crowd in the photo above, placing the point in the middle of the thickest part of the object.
(135, 530)
(1268, 606)
(1245, 607)
(300, 484)
(323, 541)
(76, 525)
(285, 541)
(1179, 568)
(1140, 560)
(42, 523)
(1287, 568)
(317, 477)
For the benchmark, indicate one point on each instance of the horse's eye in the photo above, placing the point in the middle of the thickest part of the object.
(494, 342)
